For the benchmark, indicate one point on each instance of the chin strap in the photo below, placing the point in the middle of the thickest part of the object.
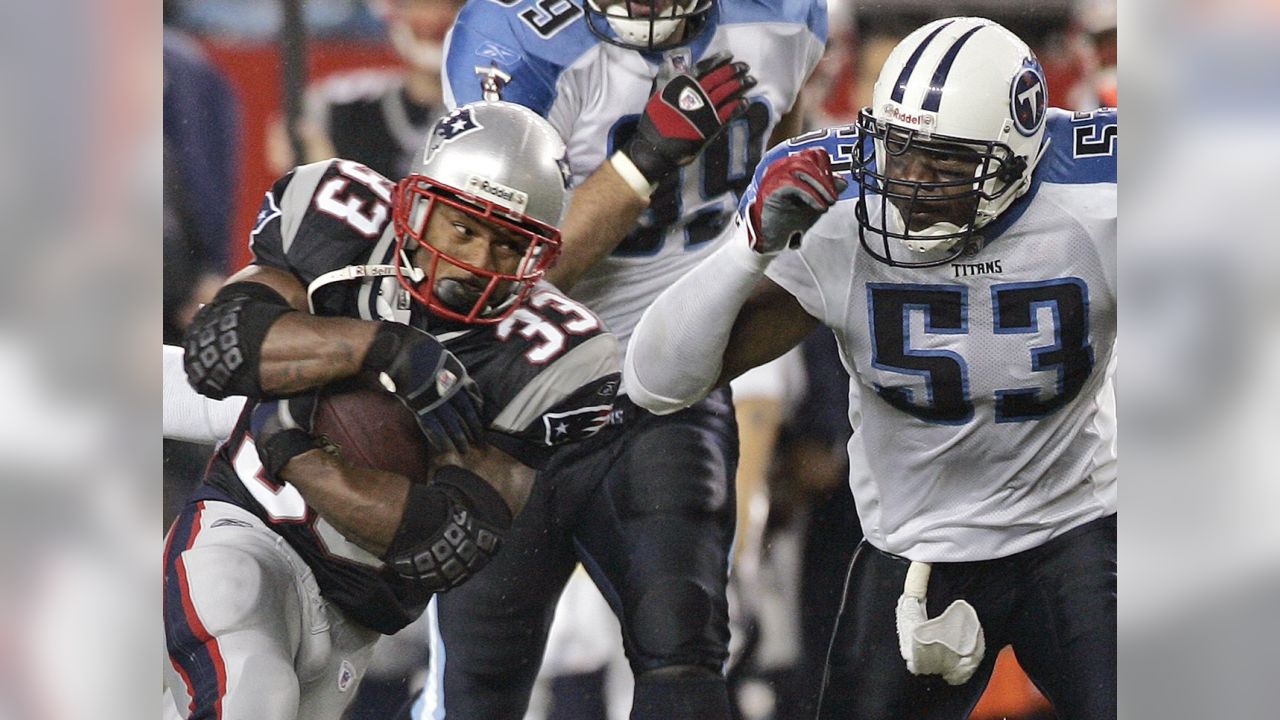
(951, 645)
(359, 272)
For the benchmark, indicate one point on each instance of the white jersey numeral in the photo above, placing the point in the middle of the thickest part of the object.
(350, 209)
(284, 503)
(583, 320)
(533, 325)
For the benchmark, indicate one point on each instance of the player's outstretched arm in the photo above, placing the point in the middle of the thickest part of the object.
(724, 317)
(681, 117)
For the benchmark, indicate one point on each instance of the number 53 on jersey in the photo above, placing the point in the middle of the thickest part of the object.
(935, 362)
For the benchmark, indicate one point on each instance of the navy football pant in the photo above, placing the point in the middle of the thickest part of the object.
(649, 511)
(1055, 604)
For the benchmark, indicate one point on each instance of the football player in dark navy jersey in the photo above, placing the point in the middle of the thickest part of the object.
(289, 560)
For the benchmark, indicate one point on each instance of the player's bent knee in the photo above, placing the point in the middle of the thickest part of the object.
(231, 588)
(671, 620)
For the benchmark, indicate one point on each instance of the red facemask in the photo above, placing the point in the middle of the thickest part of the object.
(494, 302)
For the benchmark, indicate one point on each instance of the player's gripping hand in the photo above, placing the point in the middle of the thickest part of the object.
(686, 113)
(431, 382)
(281, 430)
(793, 193)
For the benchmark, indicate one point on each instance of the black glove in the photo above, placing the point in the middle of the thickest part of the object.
(431, 382)
(281, 430)
(793, 193)
(686, 113)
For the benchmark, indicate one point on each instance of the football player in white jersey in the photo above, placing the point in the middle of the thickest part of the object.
(666, 107)
(968, 271)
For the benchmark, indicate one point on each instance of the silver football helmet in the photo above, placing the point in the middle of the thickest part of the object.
(953, 133)
(496, 161)
(647, 24)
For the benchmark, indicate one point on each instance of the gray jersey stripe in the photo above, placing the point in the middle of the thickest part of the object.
(297, 199)
(594, 358)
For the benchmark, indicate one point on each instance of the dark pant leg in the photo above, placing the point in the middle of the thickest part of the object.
(866, 677)
(656, 538)
(492, 630)
(1064, 631)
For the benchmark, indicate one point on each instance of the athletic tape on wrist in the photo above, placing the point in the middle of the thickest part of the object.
(632, 175)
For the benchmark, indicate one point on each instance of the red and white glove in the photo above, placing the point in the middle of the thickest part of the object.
(686, 113)
(793, 193)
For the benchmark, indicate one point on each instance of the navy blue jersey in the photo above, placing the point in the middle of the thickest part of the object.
(548, 373)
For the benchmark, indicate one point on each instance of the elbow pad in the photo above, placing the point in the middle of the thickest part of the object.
(451, 529)
(224, 342)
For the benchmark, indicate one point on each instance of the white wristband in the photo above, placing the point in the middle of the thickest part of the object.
(630, 173)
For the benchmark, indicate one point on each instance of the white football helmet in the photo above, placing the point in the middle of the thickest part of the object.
(646, 24)
(497, 161)
(958, 92)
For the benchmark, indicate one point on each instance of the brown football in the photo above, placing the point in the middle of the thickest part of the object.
(372, 428)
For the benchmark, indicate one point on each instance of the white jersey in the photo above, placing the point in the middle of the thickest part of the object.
(594, 93)
(981, 392)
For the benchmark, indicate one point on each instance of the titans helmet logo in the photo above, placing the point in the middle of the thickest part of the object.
(1028, 98)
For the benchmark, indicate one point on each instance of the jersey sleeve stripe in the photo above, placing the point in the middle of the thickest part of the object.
(297, 197)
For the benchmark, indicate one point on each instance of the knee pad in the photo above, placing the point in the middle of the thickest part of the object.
(232, 588)
(673, 623)
(676, 468)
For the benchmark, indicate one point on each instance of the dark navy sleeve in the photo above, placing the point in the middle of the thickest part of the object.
(321, 217)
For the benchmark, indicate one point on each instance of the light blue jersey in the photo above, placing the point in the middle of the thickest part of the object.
(593, 93)
(985, 383)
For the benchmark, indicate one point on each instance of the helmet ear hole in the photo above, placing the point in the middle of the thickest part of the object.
(1012, 171)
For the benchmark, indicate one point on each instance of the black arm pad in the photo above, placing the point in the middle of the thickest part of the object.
(225, 338)
(450, 529)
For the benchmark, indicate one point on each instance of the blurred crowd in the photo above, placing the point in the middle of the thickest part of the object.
(373, 87)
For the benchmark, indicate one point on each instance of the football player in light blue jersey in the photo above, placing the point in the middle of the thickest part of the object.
(967, 267)
(666, 108)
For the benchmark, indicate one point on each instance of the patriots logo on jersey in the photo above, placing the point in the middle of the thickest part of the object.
(1028, 101)
(266, 213)
(579, 424)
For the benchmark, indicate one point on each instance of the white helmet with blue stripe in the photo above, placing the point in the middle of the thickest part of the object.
(956, 127)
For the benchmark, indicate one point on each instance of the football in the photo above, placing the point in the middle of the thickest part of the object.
(372, 428)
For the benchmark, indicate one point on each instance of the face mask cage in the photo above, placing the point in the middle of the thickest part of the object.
(495, 302)
(997, 171)
(647, 30)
